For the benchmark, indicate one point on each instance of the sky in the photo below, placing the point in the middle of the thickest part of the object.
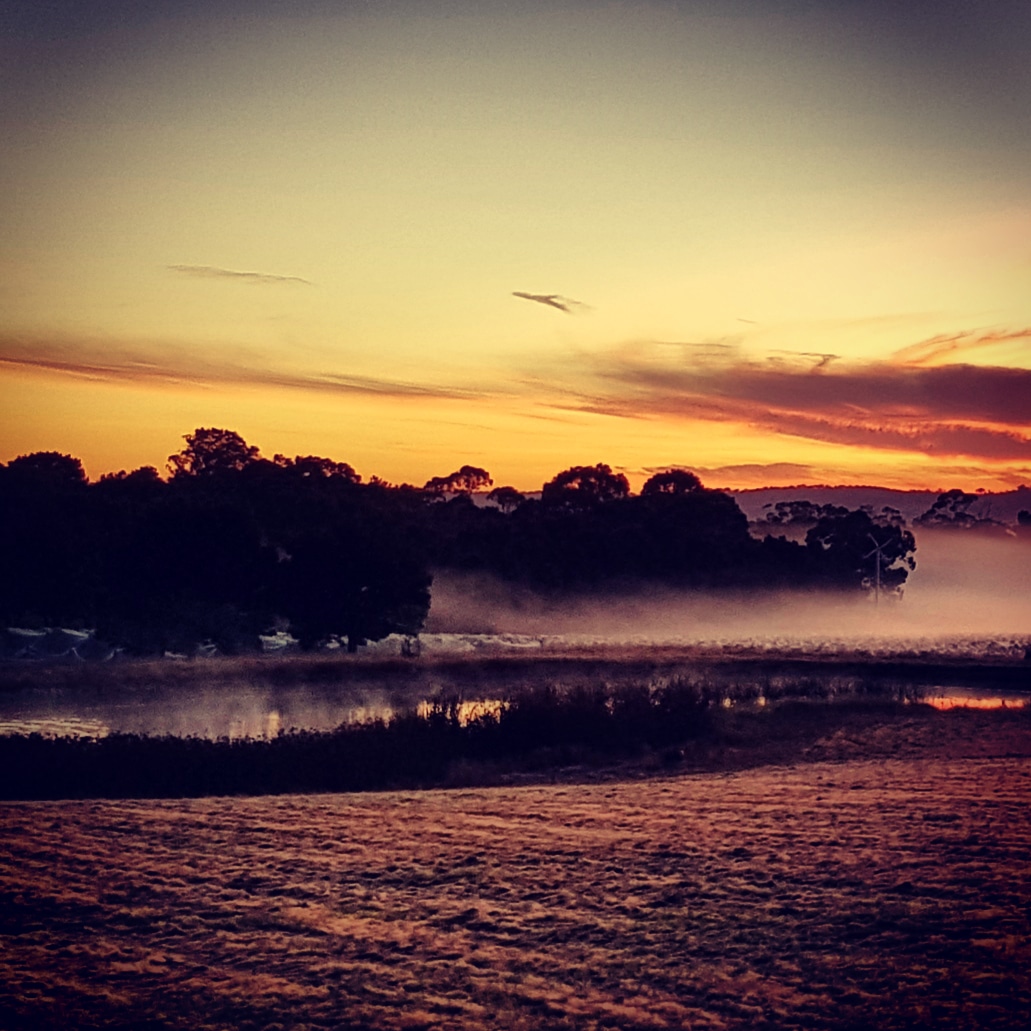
(772, 241)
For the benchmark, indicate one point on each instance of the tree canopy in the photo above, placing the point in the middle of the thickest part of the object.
(463, 481)
(506, 498)
(952, 511)
(584, 486)
(672, 481)
(856, 551)
(211, 452)
(311, 467)
(47, 469)
(232, 544)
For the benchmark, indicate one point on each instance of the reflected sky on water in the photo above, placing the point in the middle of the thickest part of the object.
(263, 713)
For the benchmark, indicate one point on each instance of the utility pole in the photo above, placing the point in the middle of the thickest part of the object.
(877, 548)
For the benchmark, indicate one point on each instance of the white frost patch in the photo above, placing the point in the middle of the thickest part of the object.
(872, 646)
(277, 641)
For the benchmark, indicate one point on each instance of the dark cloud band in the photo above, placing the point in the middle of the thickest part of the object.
(958, 409)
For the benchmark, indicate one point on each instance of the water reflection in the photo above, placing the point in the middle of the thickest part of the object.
(54, 726)
(466, 711)
(944, 698)
(260, 712)
(262, 725)
(236, 713)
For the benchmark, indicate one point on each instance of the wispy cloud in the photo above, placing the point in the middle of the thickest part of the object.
(565, 304)
(929, 438)
(760, 472)
(948, 411)
(179, 366)
(214, 272)
(745, 473)
(950, 345)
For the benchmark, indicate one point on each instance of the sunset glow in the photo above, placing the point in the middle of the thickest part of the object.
(791, 242)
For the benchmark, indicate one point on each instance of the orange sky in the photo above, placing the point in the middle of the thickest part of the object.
(772, 242)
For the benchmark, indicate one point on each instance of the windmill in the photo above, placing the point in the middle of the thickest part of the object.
(878, 550)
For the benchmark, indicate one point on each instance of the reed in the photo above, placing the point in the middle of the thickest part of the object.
(542, 729)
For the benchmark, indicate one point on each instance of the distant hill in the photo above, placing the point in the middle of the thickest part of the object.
(1002, 506)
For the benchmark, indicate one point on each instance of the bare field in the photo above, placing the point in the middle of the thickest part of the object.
(882, 880)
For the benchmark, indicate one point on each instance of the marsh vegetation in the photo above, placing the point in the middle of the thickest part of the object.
(463, 721)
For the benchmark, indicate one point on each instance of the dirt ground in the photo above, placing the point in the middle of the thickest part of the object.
(882, 881)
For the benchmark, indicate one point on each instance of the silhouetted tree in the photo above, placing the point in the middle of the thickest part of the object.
(312, 467)
(49, 470)
(357, 582)
(145, 478)
(506, 498)
(672, 481)
(464, 480)
(584, 487)
(887, 516)
(800, 513)
(232, 541)
(211, 452)
(951, 511)
(1023, 530)
(690, 537)
(847, 548)
(48, 573)
(183, 570)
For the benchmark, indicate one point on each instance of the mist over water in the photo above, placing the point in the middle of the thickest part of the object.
(963, 586)
(233, 709)
(969, 597)
(966, 584)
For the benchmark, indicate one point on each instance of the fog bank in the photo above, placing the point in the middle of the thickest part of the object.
(963, 585)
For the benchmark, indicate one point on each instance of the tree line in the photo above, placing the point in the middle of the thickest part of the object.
(230, 544)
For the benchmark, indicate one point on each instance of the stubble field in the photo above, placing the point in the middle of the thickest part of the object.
(879, 879)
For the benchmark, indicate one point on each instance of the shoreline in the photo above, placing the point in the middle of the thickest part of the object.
(1004, 666)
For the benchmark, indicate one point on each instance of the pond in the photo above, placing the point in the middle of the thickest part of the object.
(263, 711)
(945, 698)
(241, 711)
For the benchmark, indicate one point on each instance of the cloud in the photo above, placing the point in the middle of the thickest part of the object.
(952, 344)
(991, 395)
(213, 272)
(751, 473)
(925, 437)
(566, 304)
(945, 411)
(956, 409)
(822, 359)
(179, 366)
(760, 472)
